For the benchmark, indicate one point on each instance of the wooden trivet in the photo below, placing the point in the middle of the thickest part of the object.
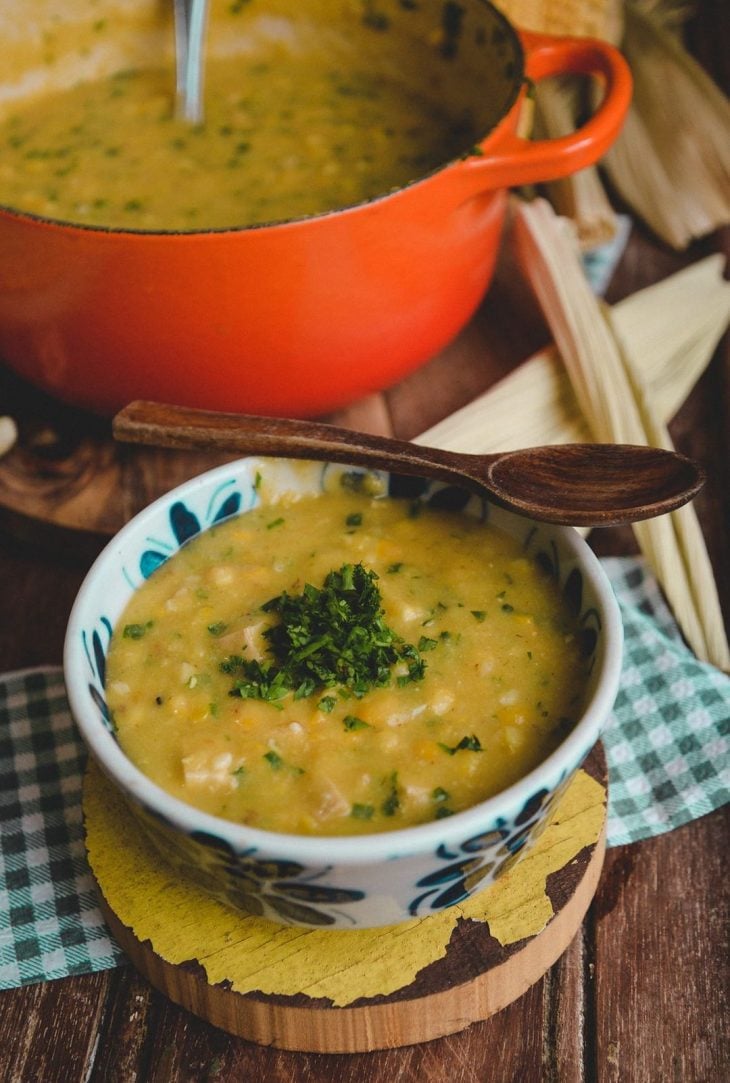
(473, 978)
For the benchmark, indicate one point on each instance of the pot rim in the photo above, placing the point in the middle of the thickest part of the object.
(346, 850)
(519, 84)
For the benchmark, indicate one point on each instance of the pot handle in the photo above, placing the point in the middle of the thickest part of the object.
(522, 161)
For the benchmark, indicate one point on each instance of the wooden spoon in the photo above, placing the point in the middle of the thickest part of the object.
(575, 484)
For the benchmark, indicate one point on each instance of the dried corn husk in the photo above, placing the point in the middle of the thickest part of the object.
(664, 336)
(618, 408)
(587, 18)
(581, 196)
(672, 161)
(669, 330)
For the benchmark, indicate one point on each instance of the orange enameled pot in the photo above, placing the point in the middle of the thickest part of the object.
(299, 317)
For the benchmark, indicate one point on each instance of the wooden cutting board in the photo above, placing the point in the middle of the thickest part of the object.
(66, 483)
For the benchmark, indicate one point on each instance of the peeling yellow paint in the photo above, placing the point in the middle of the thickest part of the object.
(182, 922)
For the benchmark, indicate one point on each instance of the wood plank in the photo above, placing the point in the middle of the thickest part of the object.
(661, 922)
(48, 1031)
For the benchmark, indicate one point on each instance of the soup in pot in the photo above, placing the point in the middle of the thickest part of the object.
(308, 108)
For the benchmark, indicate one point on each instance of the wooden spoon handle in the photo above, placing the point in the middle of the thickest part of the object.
(163, 425)
(579, 485)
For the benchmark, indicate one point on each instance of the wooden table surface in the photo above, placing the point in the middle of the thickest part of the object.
(641, 994)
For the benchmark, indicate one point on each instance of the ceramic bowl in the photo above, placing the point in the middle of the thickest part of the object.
(362, 881)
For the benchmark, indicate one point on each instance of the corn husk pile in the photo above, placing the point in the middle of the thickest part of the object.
(671, 163)
(615, 375)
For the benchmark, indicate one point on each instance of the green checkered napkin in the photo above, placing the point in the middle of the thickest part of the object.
(667, 746)
(668, 739)
(50, 923)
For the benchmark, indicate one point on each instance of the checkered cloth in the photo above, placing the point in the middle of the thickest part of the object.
(50, 923)
(666, 742)
(668, 739)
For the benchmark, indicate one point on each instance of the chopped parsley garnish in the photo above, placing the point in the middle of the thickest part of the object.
(277, 763)
(136, 631)
(466, 744)
(218, 628)
(352, 722)
(362, 812)
(274, 522)
(393, 568)
(327, 704)
(440, 794)
(426, 644)
(324, 637)
(507, 608)
(391, 804)
(355, 519)
(478, 614)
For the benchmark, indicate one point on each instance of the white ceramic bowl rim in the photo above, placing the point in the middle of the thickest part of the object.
(350, 850)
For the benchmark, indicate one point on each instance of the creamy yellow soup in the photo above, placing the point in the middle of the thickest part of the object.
(222, 686)
(284, 135)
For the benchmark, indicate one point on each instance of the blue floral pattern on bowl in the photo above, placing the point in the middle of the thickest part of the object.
(268, 877)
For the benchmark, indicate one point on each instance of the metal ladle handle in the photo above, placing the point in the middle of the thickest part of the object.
(191, 18)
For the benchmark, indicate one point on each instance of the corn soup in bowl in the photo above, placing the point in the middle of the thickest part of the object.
(337, 697)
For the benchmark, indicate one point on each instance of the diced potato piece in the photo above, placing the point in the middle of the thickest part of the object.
(331, 801)
(211, 768)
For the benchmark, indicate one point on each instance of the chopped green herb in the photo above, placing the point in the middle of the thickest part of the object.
(274, 522)
(466, 744)
(354, 519)
(257, 481)
(391, 804)
(327, 704)
(213, 710)
(440, 794)
(352, 722)
(218, 628)
(136, 631)
(277, 763)
(478, 614)
(334, 635)
(416, 665)
(393, 568)
(442, 812)
(426, 644)
(362, 812)
(238, 773)
(507, 608)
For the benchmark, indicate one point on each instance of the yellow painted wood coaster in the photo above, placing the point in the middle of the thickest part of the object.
(337, 991)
